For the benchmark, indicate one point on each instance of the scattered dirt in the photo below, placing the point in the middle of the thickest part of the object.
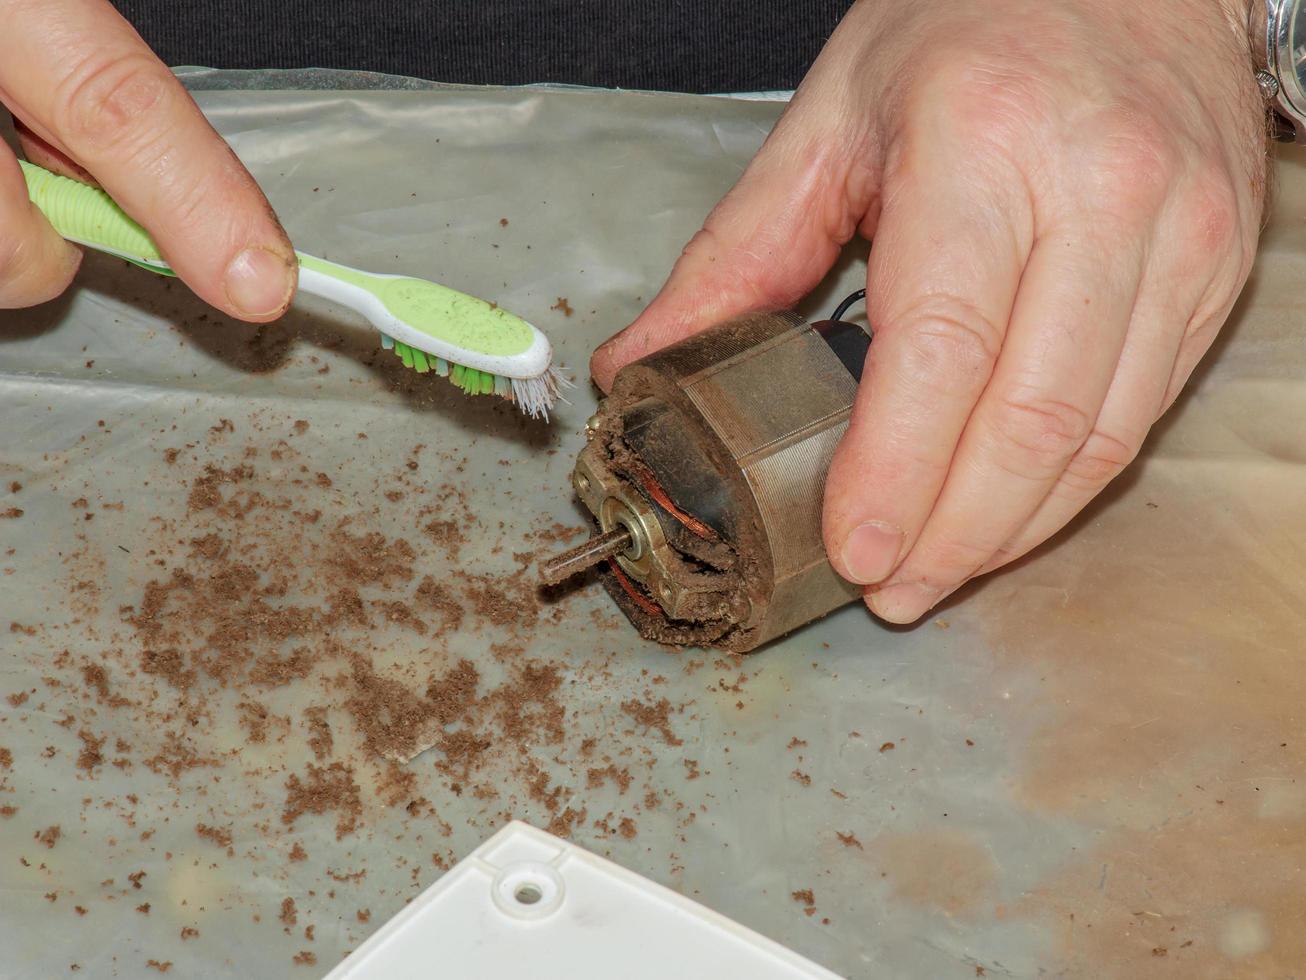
(90, 757)
(219, 835)
(50, 836)
(280, 650)
(319, 738)
(804, 897)
(330, 789)
(653, 717)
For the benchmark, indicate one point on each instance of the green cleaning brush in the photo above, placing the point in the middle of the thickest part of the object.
(479, 347)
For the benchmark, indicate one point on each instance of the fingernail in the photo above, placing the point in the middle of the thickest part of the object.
(258, 281)
(871, 552)
(904, 603)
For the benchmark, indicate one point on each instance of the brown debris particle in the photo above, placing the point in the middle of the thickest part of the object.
(434, 597)
(319, 732)
(297, 853)
(453, 694)
(323, 790)
(596, 777)
(849, 840)
(364, 915)
(50, 836)
(219, 835)
(801, 777)
(627, 828)
(289, 915)
(653, 717)
(90, 754)
(563, 306)
(370, 559)
(135, 878)
(143, 908)
(887, 747)
(254, 719)
(189, 932)
(205, 493)
(394, 721)
(305, 958)
(96, 677)
(163, 967)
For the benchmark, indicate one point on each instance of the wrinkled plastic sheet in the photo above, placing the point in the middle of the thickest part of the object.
(1087, 765)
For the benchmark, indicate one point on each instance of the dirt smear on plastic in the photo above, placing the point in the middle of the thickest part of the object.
(1171, 727)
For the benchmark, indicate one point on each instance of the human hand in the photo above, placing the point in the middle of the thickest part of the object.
(91, 101)
(1064, 199)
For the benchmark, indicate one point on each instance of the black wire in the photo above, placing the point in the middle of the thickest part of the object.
(842, 308)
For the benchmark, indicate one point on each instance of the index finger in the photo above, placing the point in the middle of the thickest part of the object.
(77, 74)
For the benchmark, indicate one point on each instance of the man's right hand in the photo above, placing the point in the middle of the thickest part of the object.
(93, 102)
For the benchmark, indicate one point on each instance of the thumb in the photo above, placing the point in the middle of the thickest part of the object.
(768, 242)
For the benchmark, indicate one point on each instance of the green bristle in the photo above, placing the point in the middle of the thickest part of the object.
(470, 380)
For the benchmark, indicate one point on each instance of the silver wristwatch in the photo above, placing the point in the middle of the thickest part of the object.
(1278, 37)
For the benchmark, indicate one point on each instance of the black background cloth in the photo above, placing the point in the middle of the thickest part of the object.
(668, 45)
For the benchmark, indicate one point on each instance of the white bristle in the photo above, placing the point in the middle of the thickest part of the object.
(535, 396)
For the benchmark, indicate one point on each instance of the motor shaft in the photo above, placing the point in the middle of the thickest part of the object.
(585, 555)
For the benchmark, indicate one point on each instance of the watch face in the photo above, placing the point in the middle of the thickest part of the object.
(1297, 46)
(1286, 40)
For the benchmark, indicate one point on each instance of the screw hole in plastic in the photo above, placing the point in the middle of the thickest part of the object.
(528, 893)
(528, 890)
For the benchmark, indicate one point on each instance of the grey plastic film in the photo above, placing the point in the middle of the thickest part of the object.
(1087, 765)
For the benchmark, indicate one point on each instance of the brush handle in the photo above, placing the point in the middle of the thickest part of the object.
(423, 320)
(88, 216)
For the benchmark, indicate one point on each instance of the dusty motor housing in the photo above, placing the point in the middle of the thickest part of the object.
(713, 454)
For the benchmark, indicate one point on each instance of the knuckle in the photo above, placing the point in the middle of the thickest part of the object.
(1037, 436)
(980, 96)
(1211, 211)
(1135, 162)
(1100, 460)
(947, 339)
(108, 103)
